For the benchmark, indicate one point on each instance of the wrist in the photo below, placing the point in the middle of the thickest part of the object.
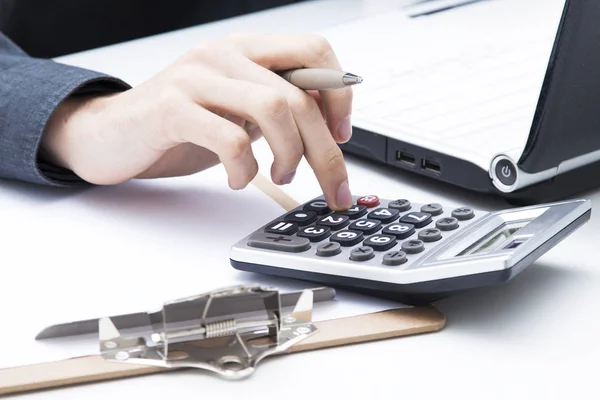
(70, 124)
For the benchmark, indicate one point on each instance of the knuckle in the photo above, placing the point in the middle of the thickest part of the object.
(209, 52)
(238, 145)
(303, 104)
(321, 48)
(333, 158)
(296, 154)
(274, 104)
(235, 37)
(200, 51)
(179, 76)
(243, 176)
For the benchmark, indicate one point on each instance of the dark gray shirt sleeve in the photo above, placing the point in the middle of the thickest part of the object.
(30, 90)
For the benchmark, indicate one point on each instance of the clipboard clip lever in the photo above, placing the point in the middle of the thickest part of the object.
(227, 331)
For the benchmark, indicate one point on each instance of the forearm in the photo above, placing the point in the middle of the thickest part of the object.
(31, 94)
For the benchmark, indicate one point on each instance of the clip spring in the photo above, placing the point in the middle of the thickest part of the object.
(210, 332)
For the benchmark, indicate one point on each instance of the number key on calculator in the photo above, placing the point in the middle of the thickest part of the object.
(395, 248)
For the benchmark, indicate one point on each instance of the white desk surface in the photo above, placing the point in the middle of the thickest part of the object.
(533, 338)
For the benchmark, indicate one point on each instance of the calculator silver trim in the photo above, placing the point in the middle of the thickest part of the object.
(548, 221)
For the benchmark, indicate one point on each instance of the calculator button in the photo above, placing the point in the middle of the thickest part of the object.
(401, 231)
(447, 224)
(432, 208)
(385, 215)
(430, 235)
(380, 242)
(362, 253)
(463, 213)
(315, 233)
(282, 227)
(329, 249)
(368, 201)
(394, 258)
(413, 246)
(418, 219)
(347, 238)
(355, 211)
(334, 221)
(400, 205)
(302, 218)
(319, 207)
(290, 244)
(366, 226)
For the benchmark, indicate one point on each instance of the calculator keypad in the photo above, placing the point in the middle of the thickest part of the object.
(394, 258)
(400, 205)
(430, 235)
(347, 238)
(366, 226)
(447, 224)
(355, 212)
(385, 215)
(315, 233)
(463, 213)
(368, 201)
(400, 230)
(386, 233)
(380, 242)
(413, 246)
(334, 221)
(282, 227)
(329, 249)
(362, 253)
(289, 244)
(301, 218)
(432, 208)
(319, 206)
(418, 219)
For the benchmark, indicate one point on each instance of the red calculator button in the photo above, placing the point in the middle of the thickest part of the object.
(368, 201)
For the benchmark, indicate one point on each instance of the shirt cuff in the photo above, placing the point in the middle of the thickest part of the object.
(37, 88)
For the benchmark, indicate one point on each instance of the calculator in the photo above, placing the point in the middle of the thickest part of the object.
(405, 251)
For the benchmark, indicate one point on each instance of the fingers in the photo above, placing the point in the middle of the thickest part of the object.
(282, 52)
(320, 149)
(263, 106)
(229, 141)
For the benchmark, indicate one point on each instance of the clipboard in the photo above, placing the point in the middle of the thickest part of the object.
(232, 330)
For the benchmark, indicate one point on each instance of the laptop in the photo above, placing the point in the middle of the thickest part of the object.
(493, 96)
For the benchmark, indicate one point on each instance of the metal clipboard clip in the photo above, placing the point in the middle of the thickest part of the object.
(228, 331)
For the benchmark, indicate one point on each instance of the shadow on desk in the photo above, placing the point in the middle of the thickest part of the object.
(514, 307)
(173, 208)
(35, 193)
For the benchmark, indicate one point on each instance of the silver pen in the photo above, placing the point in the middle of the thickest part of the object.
(320, 78)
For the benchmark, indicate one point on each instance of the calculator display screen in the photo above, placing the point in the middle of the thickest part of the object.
(492, 240)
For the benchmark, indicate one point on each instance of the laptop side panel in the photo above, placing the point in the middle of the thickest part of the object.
(406, 156)
(567, 121)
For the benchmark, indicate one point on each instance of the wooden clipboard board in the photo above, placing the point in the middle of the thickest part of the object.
(331, 333)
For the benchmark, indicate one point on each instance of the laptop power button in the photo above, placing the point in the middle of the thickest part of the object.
(506, 172)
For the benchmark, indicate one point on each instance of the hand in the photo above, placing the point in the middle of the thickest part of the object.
(208, 107)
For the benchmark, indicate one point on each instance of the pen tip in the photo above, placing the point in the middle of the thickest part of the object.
(351, 79)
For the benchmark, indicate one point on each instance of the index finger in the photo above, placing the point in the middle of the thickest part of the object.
(283, 52)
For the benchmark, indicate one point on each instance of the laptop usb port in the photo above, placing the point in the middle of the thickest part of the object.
(431, 166)
(405, 158)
